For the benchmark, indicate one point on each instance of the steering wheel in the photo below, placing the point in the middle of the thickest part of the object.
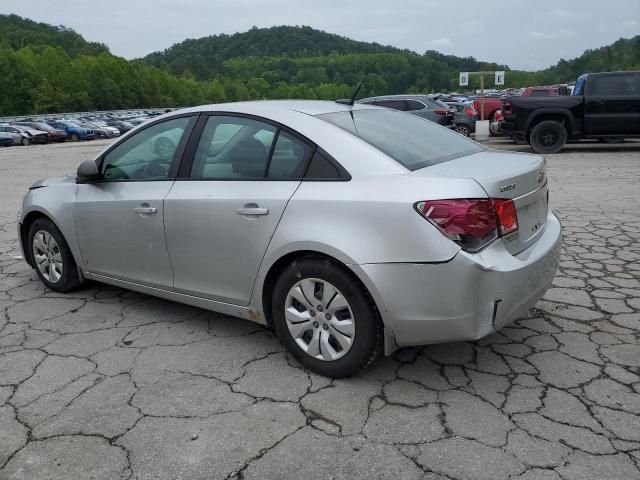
(158, 168)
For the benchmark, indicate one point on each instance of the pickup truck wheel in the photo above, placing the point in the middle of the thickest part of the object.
(548, 136)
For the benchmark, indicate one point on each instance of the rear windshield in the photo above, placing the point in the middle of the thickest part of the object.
(411, 141)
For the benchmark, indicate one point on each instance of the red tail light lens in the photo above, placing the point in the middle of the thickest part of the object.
(441, 111)
(507, 216)
(472, 223)
(470, 111)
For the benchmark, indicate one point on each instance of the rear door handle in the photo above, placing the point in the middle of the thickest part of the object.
(145, 209)
(252, 209)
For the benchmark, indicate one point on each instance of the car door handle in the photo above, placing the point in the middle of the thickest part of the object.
(252, 209)
(145, 210)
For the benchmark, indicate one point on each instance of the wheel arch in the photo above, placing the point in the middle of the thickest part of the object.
(278, 266)
(27, 221)
(559, 115)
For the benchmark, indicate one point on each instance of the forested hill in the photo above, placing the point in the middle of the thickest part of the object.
(621, 55)
(18, 32)
(204, 57)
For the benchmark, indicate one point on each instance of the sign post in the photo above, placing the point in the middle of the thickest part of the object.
(482, 127)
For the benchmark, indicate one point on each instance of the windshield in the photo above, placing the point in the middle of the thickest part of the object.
(411, 141)
(579, 88)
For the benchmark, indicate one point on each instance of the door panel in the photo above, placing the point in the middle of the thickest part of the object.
(218, 231)
(119, 221)
(118, 241)
(612, 105)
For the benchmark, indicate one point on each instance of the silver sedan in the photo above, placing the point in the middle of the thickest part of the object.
(351, 230)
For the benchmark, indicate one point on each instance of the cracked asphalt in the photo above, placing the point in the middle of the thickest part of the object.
(106, 383)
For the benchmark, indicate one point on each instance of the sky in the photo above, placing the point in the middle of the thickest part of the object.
(524, 34)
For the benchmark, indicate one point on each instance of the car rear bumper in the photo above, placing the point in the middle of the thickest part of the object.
(467, 298)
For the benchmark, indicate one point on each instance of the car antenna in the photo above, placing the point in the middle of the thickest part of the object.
(352, 100)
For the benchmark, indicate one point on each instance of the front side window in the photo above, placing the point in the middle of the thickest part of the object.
(614, 85)
(411, 141)
(147, 155)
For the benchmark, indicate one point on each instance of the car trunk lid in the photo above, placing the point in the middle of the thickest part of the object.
(516, 176)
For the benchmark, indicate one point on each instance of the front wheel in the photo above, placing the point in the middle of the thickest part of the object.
(325, 318)
(51, 257)
(25, 141)
(74, 137)
(463, 130)
(548, 136)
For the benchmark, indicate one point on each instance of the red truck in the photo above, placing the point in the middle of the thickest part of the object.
(491, 104)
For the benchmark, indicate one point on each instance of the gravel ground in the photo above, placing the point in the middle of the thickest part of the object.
(106, 383)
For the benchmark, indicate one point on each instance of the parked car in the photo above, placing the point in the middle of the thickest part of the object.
(491, 105)
(465, 118)
(122, 126)
(359, 229)
(420, 105)
(6, 140)
(102, 131)
(22, 135)
(604, 106)
(73, 130)
(53, 134)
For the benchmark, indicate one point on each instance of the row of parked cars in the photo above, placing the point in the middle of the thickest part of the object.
(453, 113)
(30, 131)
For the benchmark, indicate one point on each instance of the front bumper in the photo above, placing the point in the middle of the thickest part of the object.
(469, 297)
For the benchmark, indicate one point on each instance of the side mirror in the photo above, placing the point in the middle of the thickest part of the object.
(88, 172)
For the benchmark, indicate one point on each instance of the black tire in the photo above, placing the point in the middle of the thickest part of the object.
(74, 137)
(69, 280)
(463, 129)
(611, 140)
(491, 118)
(367, 343)
(25, 141)
(548, 137)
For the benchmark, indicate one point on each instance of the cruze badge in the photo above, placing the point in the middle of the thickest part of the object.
(506, 188)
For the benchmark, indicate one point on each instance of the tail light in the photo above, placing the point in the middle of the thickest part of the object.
(470, 111)
(441, 111)
(471, 223)
(507, 107)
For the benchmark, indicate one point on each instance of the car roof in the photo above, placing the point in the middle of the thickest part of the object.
(309, 107)
(416, 96)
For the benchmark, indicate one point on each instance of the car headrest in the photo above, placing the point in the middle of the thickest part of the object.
(248, 158)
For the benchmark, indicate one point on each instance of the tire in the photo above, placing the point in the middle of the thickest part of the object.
(63, 277)
(359, 320)
(491, 118)
(611, 140)
(548, 137)
(463, 129)
(25, 141)
(74, 137)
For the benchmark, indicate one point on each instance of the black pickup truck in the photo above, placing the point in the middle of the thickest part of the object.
(605, 106)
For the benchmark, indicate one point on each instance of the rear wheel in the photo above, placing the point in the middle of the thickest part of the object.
(548, 136)
(51, 257)
(463, 129)
(325, 318)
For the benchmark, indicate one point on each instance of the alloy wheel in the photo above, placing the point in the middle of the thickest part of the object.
(320, 319)
(47, 256)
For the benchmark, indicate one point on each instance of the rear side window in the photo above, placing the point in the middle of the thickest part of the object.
(321, 168)
(614, 85)
(414, 105)
(289, 158)
(411, 141)
(394, 104)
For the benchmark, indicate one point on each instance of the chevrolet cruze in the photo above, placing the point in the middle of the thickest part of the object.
(351, 230)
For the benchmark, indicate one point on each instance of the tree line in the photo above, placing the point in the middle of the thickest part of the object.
(66, 73)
